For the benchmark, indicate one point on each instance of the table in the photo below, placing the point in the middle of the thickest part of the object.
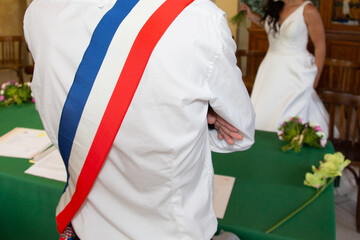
(268, 186)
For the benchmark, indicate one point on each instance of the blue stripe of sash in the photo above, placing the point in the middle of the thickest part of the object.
(87, 72)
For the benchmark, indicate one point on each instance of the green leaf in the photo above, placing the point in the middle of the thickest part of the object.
(311, 139)
(238, 18)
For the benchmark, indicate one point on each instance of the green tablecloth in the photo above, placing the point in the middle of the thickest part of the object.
(268, 186)
(27, 203)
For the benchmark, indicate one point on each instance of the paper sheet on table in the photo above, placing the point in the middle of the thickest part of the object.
(223, 186)
(49, 165)
(23, 143)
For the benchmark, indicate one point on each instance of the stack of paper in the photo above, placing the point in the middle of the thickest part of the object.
(23, 143)
(32, 144)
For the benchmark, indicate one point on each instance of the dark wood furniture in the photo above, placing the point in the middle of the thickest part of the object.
(29, 70)
(340, 75)
(344, 112)
(11, 54)
(342, 36)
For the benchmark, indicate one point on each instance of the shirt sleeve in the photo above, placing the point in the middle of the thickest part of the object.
(229, 97)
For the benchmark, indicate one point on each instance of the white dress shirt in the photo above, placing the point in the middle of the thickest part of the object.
(157, 181)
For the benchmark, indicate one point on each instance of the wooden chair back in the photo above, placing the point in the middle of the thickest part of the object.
(344, 113)
(341, 75)
(248, 61)
(11, 54)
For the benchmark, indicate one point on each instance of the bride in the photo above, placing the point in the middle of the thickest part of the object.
(287, 77)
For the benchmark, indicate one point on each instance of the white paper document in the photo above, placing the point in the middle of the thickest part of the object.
(223, 186)
(23, 143)
(49, 165)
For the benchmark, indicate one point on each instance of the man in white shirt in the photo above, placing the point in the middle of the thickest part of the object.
(156, 181)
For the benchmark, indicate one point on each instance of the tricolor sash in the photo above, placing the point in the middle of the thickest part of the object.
(102, 90)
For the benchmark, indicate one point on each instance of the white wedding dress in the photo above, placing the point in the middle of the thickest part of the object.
(284, 83)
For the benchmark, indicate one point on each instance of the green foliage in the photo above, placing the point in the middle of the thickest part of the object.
(14, 93)
(238, 18)
(311, 139)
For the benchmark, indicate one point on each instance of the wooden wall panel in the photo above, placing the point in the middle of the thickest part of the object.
(343, 50)
(257, 39)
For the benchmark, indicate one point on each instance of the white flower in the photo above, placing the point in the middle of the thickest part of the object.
(320, 134)
(2, 92)
(288, 119)
(312, 124)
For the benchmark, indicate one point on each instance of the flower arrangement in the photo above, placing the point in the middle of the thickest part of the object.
(320, 179)
(12, 92)
(297, 133)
